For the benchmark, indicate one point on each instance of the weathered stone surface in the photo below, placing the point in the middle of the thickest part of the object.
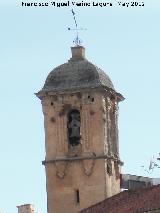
(88, 176)
(27, 208)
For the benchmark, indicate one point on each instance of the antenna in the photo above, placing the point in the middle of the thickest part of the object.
(77, 41)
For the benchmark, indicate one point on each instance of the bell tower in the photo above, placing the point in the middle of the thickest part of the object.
(80, 107)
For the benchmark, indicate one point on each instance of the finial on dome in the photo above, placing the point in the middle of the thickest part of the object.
(77, 41)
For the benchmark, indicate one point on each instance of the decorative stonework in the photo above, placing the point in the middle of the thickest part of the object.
(108, 104)
(61, 169)
(108, 107)
(88, 166)
(116, 108)
(86, 128)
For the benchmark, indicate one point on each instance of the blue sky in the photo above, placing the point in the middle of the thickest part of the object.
(124, 42)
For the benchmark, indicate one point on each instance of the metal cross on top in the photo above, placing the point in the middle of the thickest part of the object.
(77, 41)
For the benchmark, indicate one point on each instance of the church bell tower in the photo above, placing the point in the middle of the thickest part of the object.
(80, 107)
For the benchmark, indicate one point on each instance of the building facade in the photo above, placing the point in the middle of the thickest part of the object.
(129, 181)
(80, 108)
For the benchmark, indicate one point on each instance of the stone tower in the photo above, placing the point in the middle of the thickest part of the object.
(80, 107)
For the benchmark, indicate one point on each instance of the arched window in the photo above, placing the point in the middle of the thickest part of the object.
(73, 126)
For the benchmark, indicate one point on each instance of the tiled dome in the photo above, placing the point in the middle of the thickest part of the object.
(77, 73)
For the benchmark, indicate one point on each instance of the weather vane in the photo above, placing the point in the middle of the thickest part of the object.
(77, 41)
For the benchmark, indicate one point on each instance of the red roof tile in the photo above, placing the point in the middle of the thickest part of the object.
(130, 201)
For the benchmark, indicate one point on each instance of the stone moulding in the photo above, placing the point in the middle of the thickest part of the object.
(83, 158)
(43, 93)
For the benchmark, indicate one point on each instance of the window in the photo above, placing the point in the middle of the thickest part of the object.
(73, 126)
(77, 196)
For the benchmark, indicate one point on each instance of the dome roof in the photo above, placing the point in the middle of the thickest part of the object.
(77, 73)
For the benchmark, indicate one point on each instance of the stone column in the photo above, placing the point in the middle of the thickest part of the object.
(109, 107)
(85, 123)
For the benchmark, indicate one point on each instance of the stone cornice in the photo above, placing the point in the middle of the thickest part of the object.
(78, 158)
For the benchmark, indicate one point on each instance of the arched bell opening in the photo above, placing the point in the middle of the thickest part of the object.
(73, 126)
